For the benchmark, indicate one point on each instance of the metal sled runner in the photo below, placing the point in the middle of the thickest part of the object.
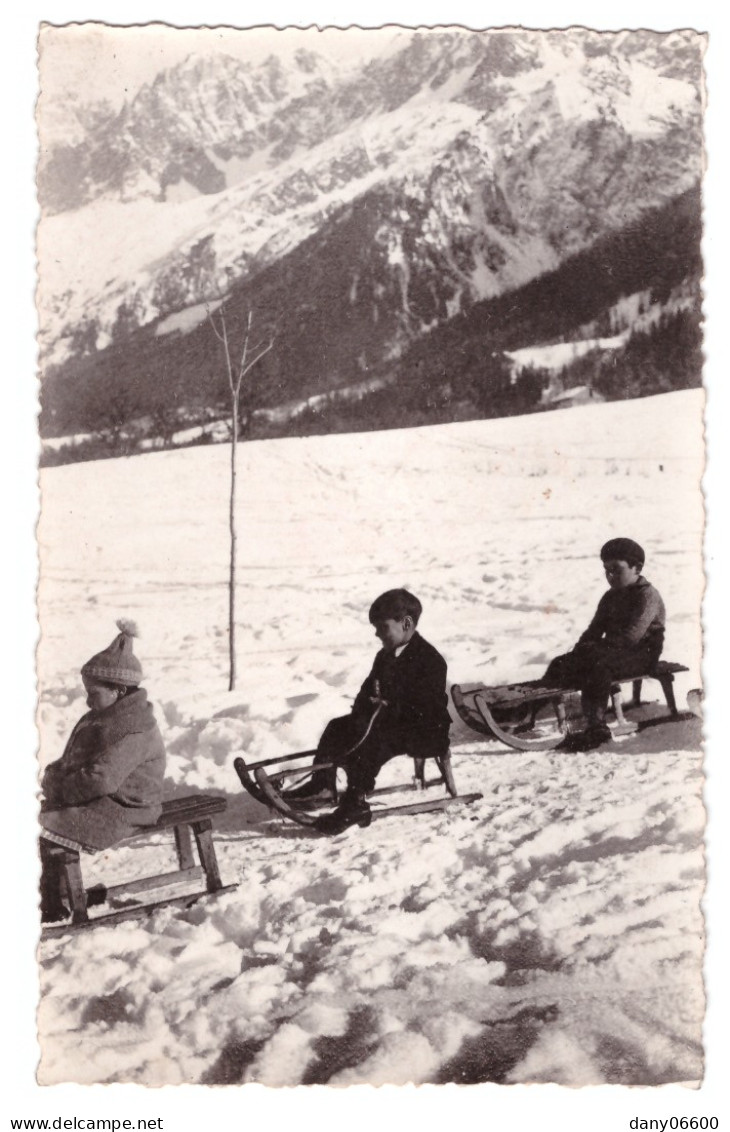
(267, 788)
(534, 717)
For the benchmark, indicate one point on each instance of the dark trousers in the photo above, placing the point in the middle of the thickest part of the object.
(592, 666)
(362, 763)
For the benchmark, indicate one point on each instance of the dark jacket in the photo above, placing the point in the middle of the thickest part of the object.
(628, 618)
(108, 781)
(416, 719)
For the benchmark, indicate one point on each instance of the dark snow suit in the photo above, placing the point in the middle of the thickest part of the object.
(415, 721)
(625, 638)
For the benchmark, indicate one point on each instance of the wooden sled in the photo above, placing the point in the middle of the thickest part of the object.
(189, 817)
(535, 717)
(267, 788)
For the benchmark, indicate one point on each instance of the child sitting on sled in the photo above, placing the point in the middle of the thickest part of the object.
(108, 782)
(401, 708)
(625, 637)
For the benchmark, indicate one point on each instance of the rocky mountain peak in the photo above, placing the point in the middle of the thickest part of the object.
(445, 170)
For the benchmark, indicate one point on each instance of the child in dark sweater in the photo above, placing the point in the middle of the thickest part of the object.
(624, 638)
(400, 708)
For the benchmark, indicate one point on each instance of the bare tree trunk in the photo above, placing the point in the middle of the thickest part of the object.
(246, 363)
(232, 564)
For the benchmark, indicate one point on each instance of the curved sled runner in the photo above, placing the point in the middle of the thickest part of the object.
(535, 717)
(510, 713)
(268, 788)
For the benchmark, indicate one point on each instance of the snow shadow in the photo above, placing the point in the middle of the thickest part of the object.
(491, 1054)
(232, 1062)
(344, 1051)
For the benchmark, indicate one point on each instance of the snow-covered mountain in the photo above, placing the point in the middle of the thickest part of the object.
(453, 167)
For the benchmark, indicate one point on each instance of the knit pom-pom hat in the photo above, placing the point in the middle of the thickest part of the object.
(117, 664)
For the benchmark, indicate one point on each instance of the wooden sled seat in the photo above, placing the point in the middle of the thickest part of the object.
(420, 781)
(664, 672)
(189, 817)
(508, 711)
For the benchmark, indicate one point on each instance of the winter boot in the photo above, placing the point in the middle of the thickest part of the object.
(352, 810)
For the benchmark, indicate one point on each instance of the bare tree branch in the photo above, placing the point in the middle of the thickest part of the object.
(210, 320)
(257, 358)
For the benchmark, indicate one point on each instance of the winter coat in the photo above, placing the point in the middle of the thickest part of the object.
(108, 782)
(629, 618)
(416, 719)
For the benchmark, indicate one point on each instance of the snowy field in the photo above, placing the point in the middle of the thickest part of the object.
(550, 932)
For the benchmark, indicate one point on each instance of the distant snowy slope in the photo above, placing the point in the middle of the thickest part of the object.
(496, 524)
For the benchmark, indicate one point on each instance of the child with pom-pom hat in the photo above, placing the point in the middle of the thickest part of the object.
(107, 784)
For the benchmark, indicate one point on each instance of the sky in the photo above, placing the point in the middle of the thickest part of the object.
(99, 62)
(605, 1110)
